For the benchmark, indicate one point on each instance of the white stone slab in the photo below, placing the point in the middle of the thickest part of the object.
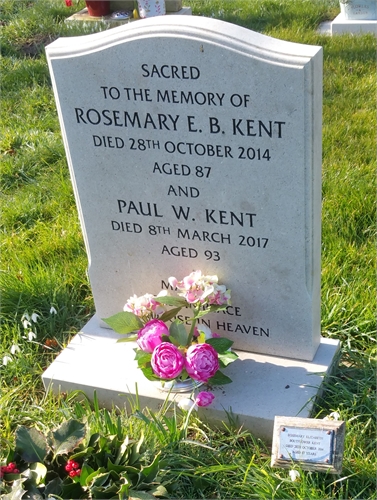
(341, 25)
(196, 144)
(263, 386)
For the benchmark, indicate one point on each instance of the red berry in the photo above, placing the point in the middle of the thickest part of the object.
(68, 467)
(75, 465)
(11, 465)
(78, 472)
(16, 471)
(72, 473)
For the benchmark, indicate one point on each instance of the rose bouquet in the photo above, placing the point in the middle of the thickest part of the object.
(183, 349)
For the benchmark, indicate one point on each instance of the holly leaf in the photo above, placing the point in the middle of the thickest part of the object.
(53, 487)
(124, 322)
(38, 473)
(17, 491)
(31, 444)
(219, 379)
(221, 345)
(68, 436)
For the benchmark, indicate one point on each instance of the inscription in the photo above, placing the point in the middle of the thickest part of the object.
(187, 231)
(310, 445)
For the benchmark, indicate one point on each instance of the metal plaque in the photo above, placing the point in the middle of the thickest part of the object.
(309, 445)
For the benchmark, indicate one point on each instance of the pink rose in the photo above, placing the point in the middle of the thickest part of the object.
(204, 398)
(150, 335)
(202, 362)
(167, 361)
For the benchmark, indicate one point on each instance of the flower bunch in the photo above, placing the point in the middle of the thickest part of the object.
(181, 349)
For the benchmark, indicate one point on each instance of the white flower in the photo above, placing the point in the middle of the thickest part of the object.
(333, 416)
(25, 319)
(31, 335)
(207, 332)
(26, 323)
(53, 310)
(6, 360)
(294, 475)
(15, 348)
(34, 317)
(186, 404)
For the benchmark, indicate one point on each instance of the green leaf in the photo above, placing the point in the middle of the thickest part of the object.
(151, 471)
(201, 313)
(31, 444)
(140, 495)
(142, 357)
(53, 487)
(71, 490)
(148, 373)
(178, 332)
(17, 491)
(82, 453)
(122, 450)
(68, 436)
(131, 338)
(210, 309)
(215, 308)
(168, 315)
(172, 301)
(219, 379)
(221, 345)
(114, 467)
(123, 491)
(100, 479)
(159, 491)
(38, 473)
(171, 340)
(124, 322)
(93, 475)
(86, 471)
(227, 357)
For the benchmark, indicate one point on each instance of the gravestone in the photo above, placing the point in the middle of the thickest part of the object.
(195, 144)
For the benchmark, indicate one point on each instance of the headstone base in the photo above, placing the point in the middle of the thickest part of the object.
(341, 25)
(263, 386)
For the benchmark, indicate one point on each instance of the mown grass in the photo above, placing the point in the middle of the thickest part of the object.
(43, 261)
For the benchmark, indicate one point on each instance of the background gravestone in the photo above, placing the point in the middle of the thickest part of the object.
(196, 144)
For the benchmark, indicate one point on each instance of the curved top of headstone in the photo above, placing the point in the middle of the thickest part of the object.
(237, 38)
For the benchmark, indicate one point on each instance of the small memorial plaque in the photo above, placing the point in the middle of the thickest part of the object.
(316, 444)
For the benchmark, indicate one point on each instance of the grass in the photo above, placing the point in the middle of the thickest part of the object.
(44, 262)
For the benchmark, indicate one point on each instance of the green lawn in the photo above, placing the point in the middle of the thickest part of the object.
(43, 264)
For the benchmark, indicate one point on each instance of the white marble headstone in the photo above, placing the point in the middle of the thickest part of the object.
(196, 144)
